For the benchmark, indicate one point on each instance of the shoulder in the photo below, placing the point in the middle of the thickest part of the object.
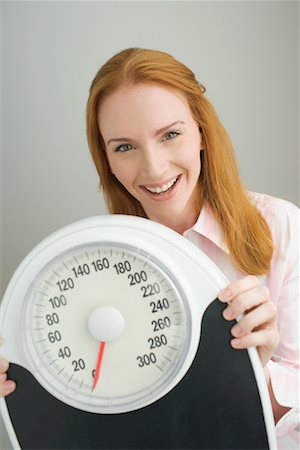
(282, 216)
(274, 207)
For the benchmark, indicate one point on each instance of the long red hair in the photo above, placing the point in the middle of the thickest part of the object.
(245, 231)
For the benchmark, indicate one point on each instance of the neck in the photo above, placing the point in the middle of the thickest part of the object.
(180, 225)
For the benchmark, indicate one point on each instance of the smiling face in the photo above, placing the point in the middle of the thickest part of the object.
(153, 147)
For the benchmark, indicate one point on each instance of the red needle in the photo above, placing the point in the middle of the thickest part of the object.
(98, 366)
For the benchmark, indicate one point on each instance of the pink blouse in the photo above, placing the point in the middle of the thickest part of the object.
(283, 282)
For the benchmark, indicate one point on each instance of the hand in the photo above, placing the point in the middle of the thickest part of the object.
(6, 386)
(258, 325)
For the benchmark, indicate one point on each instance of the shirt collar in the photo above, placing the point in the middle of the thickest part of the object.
(208, 227)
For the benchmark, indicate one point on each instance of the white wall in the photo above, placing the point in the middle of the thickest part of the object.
(244, 52)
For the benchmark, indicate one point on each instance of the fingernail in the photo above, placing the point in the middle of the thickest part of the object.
(225, 294)
(228, 314)
(236, 343)
(236, 330)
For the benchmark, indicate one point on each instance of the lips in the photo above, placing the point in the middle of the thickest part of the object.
(163, 188)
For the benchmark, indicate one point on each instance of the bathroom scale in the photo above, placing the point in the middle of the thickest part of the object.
(116, 340)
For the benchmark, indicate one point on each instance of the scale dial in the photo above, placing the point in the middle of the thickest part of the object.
(115, 296)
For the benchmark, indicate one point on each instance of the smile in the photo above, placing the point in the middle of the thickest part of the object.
(163, 188)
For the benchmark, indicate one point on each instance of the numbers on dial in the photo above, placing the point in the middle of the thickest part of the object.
(77, 284)
(146, 360)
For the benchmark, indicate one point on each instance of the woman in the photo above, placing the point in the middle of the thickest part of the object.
(162, 153)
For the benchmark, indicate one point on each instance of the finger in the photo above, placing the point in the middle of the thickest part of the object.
(3, 365)
(234, 289)
(246, 301)
(263, 316)
(3, 377)
(262, 338)
(7, 387)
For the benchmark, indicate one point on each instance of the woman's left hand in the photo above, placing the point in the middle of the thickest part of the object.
(258, 324)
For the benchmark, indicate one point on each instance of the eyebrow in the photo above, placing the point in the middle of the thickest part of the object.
(158, 132)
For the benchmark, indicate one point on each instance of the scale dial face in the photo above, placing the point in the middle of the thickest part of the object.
(106, 327)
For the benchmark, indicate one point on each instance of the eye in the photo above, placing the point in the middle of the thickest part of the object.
(170, 135)
(123, 148)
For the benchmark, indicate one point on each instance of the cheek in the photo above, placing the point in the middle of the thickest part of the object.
(193, 166)
(192, 159)
(122, 172)
(114, 165)
(110, 163)
(193, 150)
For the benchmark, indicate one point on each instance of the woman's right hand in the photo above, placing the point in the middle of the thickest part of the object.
(6, 386)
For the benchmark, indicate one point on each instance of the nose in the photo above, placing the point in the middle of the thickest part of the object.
(153, 163)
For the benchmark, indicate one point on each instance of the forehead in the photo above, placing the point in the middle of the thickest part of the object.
(144, 105)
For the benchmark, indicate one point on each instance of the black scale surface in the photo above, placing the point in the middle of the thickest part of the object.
(215, 406)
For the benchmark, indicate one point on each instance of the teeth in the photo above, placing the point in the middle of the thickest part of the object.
(163, 188)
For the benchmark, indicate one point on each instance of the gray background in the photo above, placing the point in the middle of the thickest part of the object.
(246, 53)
